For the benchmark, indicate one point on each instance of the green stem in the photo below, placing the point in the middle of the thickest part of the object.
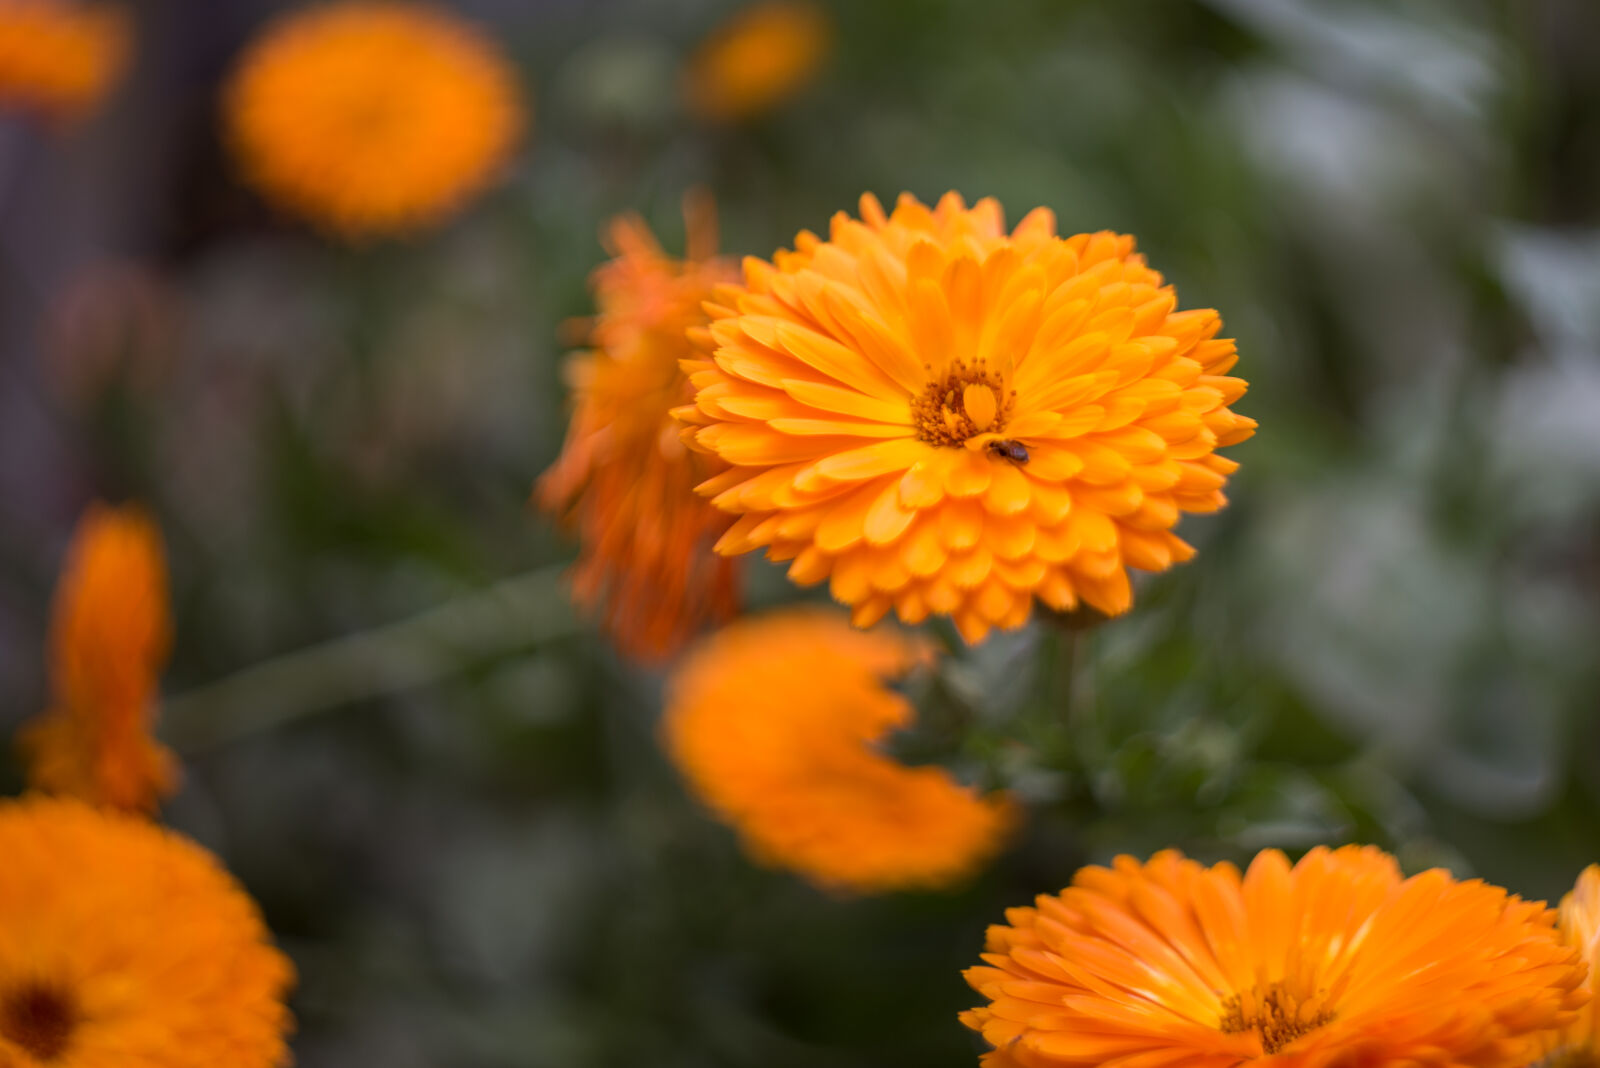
(516, 614)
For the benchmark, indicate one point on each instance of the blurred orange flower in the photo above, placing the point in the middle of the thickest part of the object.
(372, 117)
(756, 60)
(125, 944)
(943, 418)
(624, 479)
(1579, 1043)
(774, 721)
(1335, 961)
(58, 57)
(110, 635)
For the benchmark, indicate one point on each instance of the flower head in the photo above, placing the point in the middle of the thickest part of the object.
(942, 418)
(372, 116)
(1336, 961)
(59, 57)
(110, 635)
(624, 479)
(774, 722)
(125, 944)
(757, 59)
(1579, 1043)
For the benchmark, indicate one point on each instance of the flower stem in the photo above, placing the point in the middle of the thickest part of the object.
(516, 614)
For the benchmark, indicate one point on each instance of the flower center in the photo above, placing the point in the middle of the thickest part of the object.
(970, 399)
(39, 1018)
(1275, 1014)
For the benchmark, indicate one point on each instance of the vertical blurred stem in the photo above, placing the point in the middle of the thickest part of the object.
(1063, 677)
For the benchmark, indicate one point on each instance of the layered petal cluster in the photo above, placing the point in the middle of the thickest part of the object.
(757, 59)
(123, 944)
(1337, 960)
(59, 57)
(940, 417)
(774, 722)
(1578, 1044)
(624, 480)
(110, 635)
(372, 117)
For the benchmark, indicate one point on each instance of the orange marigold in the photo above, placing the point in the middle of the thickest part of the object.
(110, 634)
(757, 59)
(624, 479)
(60, 58)
(1337, 961)
(939, 417)
(774, 722)
(1578, 1044)
(372, 116)
(124, 944)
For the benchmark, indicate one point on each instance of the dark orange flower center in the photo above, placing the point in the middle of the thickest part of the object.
(1276, 1014)
(970, 399)
(39, 1018)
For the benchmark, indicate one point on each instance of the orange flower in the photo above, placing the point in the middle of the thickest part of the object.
(774, 722)
(941, 418)
(1337, 961)
(60, 58)
(1579, 1043)
(757, 59)
(624, 479)
(372, 116)
(124, 944)
(110, 634)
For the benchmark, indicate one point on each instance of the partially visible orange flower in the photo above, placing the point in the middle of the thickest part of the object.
(124, 944)
(624, 479)
(1579, 1043)
(757, 59)
(59, 57)
(939, 417)
(110, 635)
(372, 117)
(1334, 962)
(775, 722)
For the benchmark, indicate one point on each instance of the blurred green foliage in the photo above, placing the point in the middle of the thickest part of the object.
(1390, 636)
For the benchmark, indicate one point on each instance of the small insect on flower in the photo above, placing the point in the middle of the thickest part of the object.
(1015, 451)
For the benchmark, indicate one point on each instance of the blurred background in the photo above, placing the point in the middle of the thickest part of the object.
(454, 809)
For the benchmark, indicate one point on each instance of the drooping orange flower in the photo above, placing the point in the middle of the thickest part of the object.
(1578, 1044)
(372, 117)
(1337, 961)
(624, 479)
(110, 634)
(774, 722)
(124, 944)
(942, 418)
(59, 58)
(756, 60)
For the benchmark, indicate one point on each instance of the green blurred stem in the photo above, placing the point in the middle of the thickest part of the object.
(516, 614)
(1062, 680)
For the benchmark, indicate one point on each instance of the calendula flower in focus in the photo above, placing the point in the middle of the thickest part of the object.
(1578, 1044)
(59, 58)
(1337, 960)
(124, 944)
(110, 634)
(775, 722)
(372, 117)
(624, 480)
(940, 417)
(756, 60)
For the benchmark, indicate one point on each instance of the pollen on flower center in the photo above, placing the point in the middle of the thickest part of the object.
(1276, 1014)
(969, 399)
(39, 1018)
